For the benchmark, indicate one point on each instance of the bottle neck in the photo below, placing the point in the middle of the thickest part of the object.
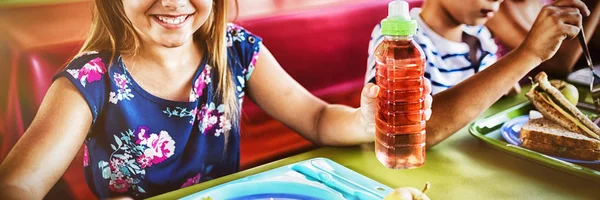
(398, 37)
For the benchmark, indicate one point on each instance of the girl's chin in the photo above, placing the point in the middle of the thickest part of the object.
(172, 43)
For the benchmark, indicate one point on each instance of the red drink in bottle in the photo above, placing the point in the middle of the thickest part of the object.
(400, 119)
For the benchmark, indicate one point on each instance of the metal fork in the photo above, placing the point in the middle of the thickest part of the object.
(595, 81)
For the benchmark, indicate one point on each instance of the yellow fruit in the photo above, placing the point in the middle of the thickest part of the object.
(408, 193)
(571, 93)
(566, 89)
(405, 193)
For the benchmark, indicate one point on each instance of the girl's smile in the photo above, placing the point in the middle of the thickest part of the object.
(167, 23)
(172, 21)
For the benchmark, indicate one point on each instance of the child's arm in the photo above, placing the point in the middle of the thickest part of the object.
(511, 26)
(279, 95)
(570, 51)
(48, 146)
(456, 107)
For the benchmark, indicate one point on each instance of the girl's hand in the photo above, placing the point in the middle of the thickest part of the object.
(560, 20)
(368, 105)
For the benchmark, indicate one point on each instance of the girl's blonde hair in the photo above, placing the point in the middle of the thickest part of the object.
(112, 30)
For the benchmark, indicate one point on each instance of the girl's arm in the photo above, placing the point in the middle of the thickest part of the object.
(279, 95)
(48, 146)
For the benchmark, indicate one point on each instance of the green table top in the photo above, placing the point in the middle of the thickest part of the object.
(461, 167)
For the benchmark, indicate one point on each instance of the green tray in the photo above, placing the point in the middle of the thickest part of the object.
(488, 131)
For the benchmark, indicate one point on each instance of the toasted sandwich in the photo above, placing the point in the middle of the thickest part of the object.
(547, 137)
(548, 100)
(564, 131)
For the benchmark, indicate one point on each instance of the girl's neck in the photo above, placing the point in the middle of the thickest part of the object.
(439, 20)
(152, 55)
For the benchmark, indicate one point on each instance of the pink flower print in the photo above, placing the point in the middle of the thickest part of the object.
(160, 147)
(142, 132)
(121, 81)
(207, 118)
(86, 159)
(200, 83)
(119, 174)
(208, 121)
(118, 185)
(115, 163)
(198, 90)
(144, 161)
(92, 71)
(192, 181)
(254, 59)
(123, 91)
(225, 123)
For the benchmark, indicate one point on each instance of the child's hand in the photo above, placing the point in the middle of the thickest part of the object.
(554, 23)
(368, 104)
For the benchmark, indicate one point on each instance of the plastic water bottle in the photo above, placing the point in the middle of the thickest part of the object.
(400, 119)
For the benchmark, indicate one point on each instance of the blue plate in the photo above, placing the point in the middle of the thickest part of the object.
(511, 131)
(268, 189)
(317, 178)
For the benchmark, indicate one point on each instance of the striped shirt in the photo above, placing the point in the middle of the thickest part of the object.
(448, 62)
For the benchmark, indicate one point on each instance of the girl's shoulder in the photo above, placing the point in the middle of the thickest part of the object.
(88, 72)
(98, 60)
(89, 67)
(238, 36)
(243, 48)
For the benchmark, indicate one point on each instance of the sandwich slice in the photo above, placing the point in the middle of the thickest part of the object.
(547, 137)
(548, 100)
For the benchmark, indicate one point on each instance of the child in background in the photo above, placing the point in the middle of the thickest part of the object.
(514, 20)
(155, 96)
(461, 56)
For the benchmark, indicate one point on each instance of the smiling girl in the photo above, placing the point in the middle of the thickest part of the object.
(155, 96)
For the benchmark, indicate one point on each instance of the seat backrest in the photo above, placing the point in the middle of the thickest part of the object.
(36, 67)
(322, 47)
(29, 77)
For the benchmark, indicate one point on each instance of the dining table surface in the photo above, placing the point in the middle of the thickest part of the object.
(461, 167)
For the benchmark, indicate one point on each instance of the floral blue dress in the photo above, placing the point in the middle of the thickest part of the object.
(141, 145)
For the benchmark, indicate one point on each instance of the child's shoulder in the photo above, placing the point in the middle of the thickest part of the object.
(233, 29)
(88, 67)
(100, 59)
(243, 47)
(239, 35)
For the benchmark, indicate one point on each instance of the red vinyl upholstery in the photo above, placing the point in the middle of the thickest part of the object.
(324, 49)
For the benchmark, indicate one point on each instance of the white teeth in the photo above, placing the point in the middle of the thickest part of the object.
(172, 20)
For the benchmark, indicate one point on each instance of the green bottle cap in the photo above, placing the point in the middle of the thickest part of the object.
(398, 22)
